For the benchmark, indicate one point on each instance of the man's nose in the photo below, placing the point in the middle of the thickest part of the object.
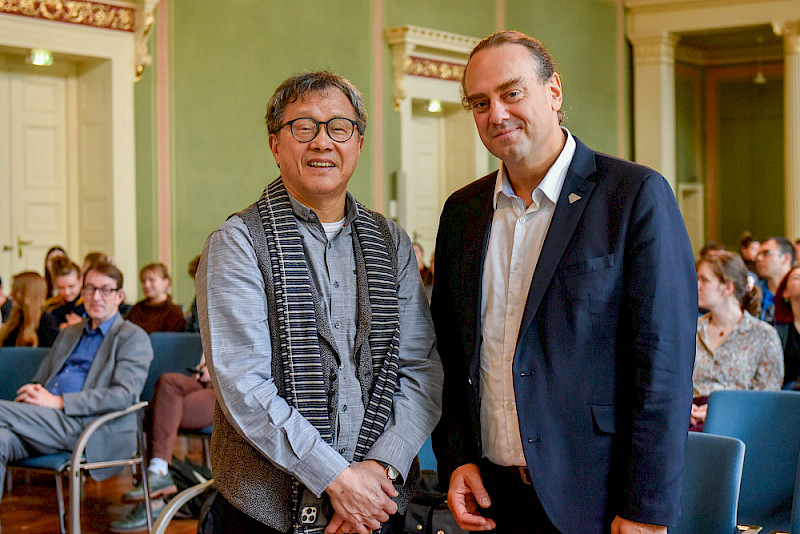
(322, 141)
(498, 112)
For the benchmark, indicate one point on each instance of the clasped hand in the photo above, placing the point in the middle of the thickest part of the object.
(38, 395)
(362, 499)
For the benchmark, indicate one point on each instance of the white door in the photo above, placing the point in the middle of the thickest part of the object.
(425, 180)
(33, 168)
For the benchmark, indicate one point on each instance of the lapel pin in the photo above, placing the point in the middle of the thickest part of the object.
(573, 198)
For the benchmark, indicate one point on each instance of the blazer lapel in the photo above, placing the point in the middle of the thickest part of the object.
(571, 202)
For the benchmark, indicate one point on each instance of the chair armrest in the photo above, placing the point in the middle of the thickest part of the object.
(80, 446)
(176, 503)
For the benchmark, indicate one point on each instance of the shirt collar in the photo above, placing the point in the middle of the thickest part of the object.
(307, 214)
(551, 184)
(104, 327)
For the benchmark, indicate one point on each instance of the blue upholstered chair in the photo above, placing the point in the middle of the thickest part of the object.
(712, 475)
(768, 422)
(173, 352)
(18, 365)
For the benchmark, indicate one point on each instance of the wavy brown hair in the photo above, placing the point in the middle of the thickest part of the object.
(29, 292)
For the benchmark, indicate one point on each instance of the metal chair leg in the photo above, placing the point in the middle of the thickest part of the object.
(62, 513)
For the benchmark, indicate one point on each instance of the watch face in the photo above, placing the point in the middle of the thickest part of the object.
(392, 473)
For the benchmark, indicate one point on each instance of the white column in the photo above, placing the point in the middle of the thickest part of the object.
(791, 119)
(654, 102)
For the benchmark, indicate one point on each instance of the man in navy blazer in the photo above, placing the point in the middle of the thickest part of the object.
(564, 303)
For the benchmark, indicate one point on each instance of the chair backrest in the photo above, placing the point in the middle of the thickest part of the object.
(173, 352)
(768, 422)
(712, 475)
(17, 367)
(795, 527)
(427, 460)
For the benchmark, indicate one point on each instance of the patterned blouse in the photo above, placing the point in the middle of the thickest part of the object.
(751, 357)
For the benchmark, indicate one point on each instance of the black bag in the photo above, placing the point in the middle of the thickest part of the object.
(186, 474)
(427, 512)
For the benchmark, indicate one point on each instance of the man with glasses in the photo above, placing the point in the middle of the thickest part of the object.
(318, 336)
(773, 261)
(94, 367)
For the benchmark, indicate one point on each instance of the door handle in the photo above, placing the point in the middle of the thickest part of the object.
(21, 243)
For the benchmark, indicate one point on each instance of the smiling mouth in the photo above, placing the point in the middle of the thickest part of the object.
(320, 164)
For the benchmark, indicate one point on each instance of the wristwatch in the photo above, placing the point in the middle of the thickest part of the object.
(391, 472)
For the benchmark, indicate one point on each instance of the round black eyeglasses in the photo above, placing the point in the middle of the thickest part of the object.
(305, 129)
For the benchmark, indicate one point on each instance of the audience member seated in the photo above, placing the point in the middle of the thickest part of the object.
(797, 252)
(774, 259)
(156, 313)
(192, 319)
(52, 254)
(179, 402)
(734, 349)
(95, 258)
(748, 250)
(95, 367)
(67, 306)
(29, 325)
(787, 323)
(5, 304)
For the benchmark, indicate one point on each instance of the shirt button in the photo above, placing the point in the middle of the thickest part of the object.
(341, 451)
(344, 408)
(336, 284)
(509, 406)
(509, 358)
(337, 325)
(521, 220)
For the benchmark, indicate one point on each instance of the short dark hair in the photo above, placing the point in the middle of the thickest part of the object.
(106, 269)
(544, 61)
(784, 245)
(301, 85)
(63, 266)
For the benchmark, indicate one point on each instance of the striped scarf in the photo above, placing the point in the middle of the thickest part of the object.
(304, 384)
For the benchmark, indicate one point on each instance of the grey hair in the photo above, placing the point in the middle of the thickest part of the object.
(301, 85)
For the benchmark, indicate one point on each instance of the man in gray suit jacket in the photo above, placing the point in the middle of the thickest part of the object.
(94, 367)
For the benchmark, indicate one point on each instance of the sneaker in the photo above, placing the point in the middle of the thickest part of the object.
(160, 485)
(136, 520)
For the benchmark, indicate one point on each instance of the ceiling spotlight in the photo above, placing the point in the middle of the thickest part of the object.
(435, 106)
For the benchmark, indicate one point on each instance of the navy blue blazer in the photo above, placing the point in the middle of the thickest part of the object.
(603, 365)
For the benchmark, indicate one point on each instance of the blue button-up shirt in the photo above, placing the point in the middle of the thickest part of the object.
(73, 373)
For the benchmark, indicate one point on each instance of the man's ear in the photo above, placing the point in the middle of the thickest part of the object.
(120, 297)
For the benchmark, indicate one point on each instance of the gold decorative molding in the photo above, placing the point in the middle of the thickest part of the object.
(428, 53)
(432, 68)
(144, 25)
(84, 12)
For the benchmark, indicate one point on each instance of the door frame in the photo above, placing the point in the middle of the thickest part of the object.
(83, 42)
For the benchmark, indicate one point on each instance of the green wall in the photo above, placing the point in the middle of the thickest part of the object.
(227, 58)
(751, 166)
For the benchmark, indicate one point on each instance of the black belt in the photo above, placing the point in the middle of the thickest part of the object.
(518, 472)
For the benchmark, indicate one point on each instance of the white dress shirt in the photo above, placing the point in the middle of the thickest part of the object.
(516, 239)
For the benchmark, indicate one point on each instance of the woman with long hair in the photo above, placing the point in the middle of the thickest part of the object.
(29, 325)
(734, 349)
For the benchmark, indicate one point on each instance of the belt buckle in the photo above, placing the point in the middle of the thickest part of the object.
(525, 475)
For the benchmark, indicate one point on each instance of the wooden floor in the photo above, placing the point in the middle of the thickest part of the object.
(32, 507)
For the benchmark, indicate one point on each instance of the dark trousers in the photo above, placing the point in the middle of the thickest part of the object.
(227, 519)
(515, 506)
